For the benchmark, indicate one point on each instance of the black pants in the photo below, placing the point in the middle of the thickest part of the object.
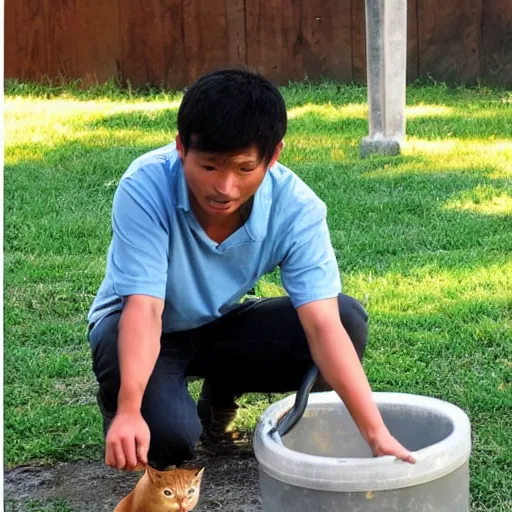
(259, 347)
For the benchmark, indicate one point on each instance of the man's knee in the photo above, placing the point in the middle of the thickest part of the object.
(173, 442)
(103, 341)
(355, 320)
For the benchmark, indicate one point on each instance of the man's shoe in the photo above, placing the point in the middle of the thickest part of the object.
(217, 422)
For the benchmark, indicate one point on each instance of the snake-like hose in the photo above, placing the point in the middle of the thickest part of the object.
(291, 418)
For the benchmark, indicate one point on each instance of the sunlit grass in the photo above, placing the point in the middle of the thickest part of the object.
(428, 111)
(423, 240)
(330, 111)
(484, 200)
(34, 127)
(491, 148)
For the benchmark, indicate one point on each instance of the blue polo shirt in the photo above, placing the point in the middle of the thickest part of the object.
(158, 247)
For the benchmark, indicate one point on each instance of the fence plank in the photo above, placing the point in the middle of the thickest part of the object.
(235, 15)
(327, 30)
(413, 63)
(175, 61)
(143, 28)
(61, 39)
(15, 44)
(274, 39)
(98, 50)
(496, 47)
(358, 40)
(25, 39)
(449, 39)
(213, 30)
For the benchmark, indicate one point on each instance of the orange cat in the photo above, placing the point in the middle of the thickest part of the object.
(173, 490)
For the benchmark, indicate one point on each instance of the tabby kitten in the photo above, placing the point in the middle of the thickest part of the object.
(173, 490)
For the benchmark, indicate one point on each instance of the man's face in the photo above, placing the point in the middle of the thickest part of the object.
(222, 183)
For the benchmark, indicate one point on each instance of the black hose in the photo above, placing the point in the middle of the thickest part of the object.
(291, 418)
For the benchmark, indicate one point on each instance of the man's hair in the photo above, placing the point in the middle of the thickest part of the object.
(231, 110)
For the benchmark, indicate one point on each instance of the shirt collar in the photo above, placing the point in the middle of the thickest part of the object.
(257, 223)
(182, 200)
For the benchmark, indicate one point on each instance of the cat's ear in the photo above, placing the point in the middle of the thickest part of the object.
(153, 474)
(149, 471)
(199, 473)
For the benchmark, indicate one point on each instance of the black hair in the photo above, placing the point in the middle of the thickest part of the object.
(232, 109)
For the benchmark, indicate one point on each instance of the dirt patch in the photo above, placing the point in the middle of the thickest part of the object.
(230, 484)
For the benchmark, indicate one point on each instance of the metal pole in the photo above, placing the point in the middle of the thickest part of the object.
(386, 58)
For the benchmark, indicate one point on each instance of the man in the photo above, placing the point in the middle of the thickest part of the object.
(195, 225)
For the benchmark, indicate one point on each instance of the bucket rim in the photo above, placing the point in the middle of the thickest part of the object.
(346, 474)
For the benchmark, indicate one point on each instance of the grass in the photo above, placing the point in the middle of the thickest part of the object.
(424, 240)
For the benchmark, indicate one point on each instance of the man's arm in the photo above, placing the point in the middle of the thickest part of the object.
(140, 328)
(138, 263)
(337, 360)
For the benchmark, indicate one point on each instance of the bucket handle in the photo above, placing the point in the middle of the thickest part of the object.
(293, 415)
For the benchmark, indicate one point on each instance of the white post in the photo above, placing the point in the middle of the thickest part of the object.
(386, 59)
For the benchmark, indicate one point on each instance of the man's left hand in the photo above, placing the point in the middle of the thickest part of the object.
(383, 443)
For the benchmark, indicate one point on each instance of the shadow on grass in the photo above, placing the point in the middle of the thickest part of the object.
(379, 222)
(463, 125)
(427, 126)
(372, 214)
(158, 120)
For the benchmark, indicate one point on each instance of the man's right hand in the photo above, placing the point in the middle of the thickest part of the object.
(127, 441)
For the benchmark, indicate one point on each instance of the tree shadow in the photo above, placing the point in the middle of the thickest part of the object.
(338, 127)
(400, 205)
(403, 221)
(151, 120)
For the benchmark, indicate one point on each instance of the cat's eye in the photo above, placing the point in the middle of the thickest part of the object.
(167, 492)
(191, 491)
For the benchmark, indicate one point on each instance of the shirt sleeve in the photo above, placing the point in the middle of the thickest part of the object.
(309, 270)
(140, 242)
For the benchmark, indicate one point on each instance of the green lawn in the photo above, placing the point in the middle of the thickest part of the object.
(424, 240)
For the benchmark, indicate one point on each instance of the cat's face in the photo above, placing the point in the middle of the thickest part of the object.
(176, 490)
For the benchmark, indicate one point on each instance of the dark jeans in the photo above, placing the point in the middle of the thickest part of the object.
(259, 347)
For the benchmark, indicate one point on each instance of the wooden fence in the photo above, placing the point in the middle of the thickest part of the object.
(172, 42)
